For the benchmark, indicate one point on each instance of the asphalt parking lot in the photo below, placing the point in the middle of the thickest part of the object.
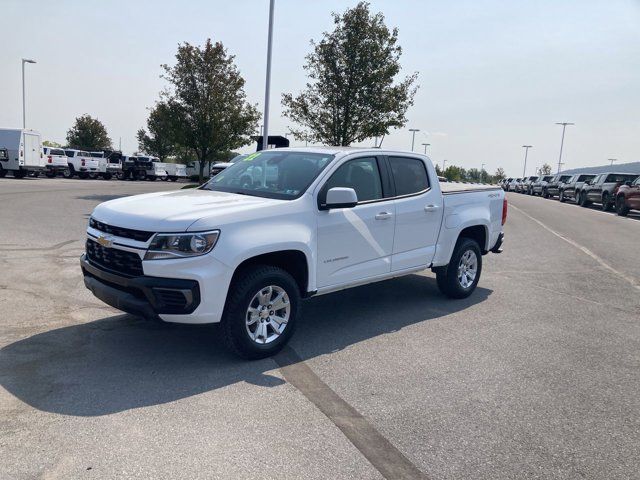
(536, 375)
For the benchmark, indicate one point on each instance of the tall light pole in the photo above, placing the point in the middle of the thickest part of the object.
(444, 162)
(413, 138)
(24, 103)
(526, 152)
(612, 160)
(481, 171)
(267, 87)
(425, 147)
(564, 126)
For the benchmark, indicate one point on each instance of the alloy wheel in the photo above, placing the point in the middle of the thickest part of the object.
(267, 315)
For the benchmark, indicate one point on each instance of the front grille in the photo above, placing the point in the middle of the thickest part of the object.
(139, 235)
(114, 260)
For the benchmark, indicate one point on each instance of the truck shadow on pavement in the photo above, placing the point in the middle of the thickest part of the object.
(122, 362)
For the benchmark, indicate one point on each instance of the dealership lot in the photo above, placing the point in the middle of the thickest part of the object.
(535, 375)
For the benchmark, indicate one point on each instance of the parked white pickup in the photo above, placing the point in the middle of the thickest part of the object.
(80, 163)
(285, 224)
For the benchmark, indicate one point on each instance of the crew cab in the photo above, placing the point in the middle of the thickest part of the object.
(628, 197)
(286, 224)
(552, 189)
(80, 163)
(571, 190)
(539, 185)
(55, 161)
(155, 168)
(134, 168)
(603, 189)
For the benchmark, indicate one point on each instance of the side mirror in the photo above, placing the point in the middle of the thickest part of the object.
(628, 184)
(341, 197)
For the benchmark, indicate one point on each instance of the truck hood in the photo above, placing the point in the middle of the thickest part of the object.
(176, 211)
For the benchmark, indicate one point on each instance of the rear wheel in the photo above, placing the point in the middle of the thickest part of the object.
(120, 176)
(545, 193)
(3, 172)
(142, 175)
(460, 278)
(621, 207)
(261, 311)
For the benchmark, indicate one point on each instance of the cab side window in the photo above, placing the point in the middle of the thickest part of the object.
(362, 175)
(409, 175)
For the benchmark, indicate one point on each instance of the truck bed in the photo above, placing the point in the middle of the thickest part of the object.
(456, 187)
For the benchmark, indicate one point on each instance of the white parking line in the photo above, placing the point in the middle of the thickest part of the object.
(583, 249)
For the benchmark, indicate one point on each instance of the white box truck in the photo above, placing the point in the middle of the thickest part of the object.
(24, 152)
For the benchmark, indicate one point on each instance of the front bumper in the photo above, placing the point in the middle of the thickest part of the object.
(150, 297)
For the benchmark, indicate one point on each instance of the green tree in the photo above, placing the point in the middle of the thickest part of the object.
(351, 95)
(88, 133)
(208, 102)
(49, 143)
(455, 173)
(499, 175)
(545, 169)
(161, 139)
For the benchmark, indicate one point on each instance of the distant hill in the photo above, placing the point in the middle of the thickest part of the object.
(633, 167)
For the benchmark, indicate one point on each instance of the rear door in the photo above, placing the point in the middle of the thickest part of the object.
(633, 196)
(32, 150)
(594, 191)
(418, 213)
(356, 243)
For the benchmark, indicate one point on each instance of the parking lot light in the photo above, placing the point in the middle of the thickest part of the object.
(564, 126)
(413, 138)
(526, 152)
(24, 109)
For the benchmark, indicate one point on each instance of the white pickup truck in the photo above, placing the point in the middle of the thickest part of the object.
(282, 225)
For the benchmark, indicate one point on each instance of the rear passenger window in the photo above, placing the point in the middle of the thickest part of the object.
(409, 175)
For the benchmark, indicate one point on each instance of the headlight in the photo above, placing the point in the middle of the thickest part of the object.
(180, 245)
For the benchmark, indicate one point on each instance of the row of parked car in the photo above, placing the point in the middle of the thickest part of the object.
(610, 190)
(22, 154)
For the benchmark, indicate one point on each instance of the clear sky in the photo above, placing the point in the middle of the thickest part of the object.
(494, 75)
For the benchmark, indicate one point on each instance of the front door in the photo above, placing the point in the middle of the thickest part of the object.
(355, 243)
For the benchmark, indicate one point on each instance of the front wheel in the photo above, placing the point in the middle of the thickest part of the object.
(606, 202)
(561, 197)
(621, 207)
(545, 193)
(261, 311)
(460, 278)
(583, 199)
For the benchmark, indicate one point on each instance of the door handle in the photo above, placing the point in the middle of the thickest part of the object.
(431, 208)
(383, 215)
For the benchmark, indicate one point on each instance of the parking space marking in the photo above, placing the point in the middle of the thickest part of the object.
(379, 451)
(583, 249)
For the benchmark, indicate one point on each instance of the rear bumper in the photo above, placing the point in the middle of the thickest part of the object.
(497, 248)
(150, 297)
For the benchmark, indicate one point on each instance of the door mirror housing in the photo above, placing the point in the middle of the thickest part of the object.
(340, 197)
(628, 184)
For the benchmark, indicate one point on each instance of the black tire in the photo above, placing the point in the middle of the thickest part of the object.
(83, 175)
(447, 276)
(50, 174)
(106, 176)
(242, 290)
(152, 178)
(141, 175)
(69, 173)
(621, 207)
(582, 199)
(606, 202)
(173, 179)
(545, 193)
(19, 173)
(561, 197)
(3, 172)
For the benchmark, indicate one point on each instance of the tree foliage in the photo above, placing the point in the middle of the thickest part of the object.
(88, 133)
(161, 139)
(352, 94)
(499, 175)
(208, 102)
(50, 143)
(545, 169)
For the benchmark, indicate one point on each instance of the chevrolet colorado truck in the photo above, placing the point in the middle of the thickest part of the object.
(282, 225)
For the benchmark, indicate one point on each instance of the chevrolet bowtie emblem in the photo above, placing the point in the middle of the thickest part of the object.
(106, 242)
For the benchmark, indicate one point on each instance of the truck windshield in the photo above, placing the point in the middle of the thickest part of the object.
(283, 175)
